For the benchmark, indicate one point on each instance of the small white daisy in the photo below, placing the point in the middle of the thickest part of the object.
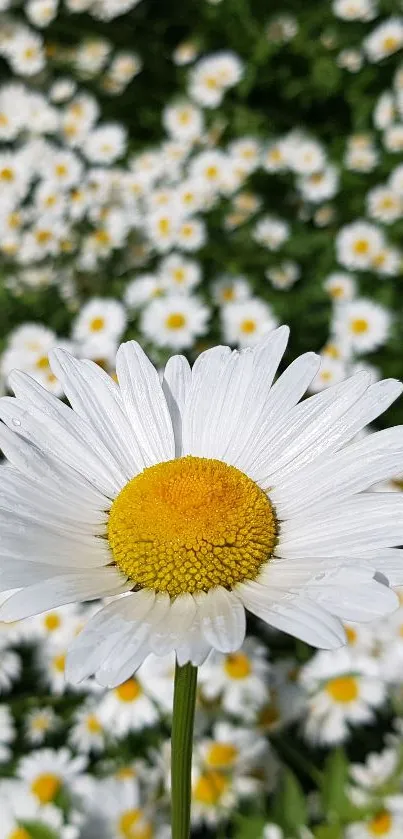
(245, 322)
(363, 324)
(174, 321)
(127, 708)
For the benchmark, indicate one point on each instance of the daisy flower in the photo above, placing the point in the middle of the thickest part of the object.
(38, 723)
(357, 244)
(87, 733)
(244, 499)
(239, 680)
(245, 322)
(47, 772)
(385, 823)
(343, 689)
(174, 321)
(386, 39)
(127, 708)
(179, 274)
(100, 316)
(340, 286)
(363, 324)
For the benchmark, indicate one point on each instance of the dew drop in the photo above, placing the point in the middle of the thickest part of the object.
(16, 421)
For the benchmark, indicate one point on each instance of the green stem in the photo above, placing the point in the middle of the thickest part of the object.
(182, 742)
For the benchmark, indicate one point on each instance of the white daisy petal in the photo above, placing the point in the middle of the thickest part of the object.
(352, 594)
(131, 650)
(353, 524)
(205, 371)
(222, 619)
(60, 590)
(171, 633)
(145, 403)
(59, 477)
(297, 616)
(94, 395)
(28, 540)
(72, 443)
(16, 573)
(336, 475)
(104, 631)
(176, 384)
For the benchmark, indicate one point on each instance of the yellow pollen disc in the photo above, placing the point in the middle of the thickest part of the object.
(43, 236)
(132, 826)
(59, 663)
(381, 824)
(175, 321)
(179, 275)
(19, 833)
(52, 621)
(361, 246)
(248, 326)
(337, 291)
(343, 689)
(164, 225)
(211, 172)
(6, 174)
(209, 787)
(359, 325)
(228, 294)
(129, 691)
(93, 725)
(97, 324)
(190, 525)
(46, 787)
(61, 170)
(351, 634)
(237, 666)
(222, 754)
(391, 43)
(125, 773)
(40, 724)
(42, 364)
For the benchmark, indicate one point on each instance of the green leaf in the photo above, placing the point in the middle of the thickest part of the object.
(38, 830)
(249, 827)
(328, 831)
(290, 809)
(335, 779)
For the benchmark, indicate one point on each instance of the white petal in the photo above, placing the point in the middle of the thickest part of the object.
(25, 538)
(49, 472)
(172, 632)
(337, 475)
(205, 372)
(352, 594)
(15, 573)
(373, 520)
(299, 443)
(145, 403)
(97, 399)
(297, 616)
(65, 438)
(388, 562)
(104, 631)
(126, 657)
(71, 588)
(222, 619)
(176, 385)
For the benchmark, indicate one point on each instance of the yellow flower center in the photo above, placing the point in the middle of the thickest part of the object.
(351, 634)
(221, 754)
(132, 825)
(61, 170)
(97, 324)
(184, 117)
(175, 320)
(381, 824)
(237, 666)
(93, 725)
(129, 691)
(164, 226)
(189, 525)
(59, 663)
(102, 237)
(359, 326)
(228, 294)
(40, 724)
(337, 291)
(211, 172)
(6, 174)
(52, 620)
(248, 326)
(46, 787)
(391, 43)
(179, 275)
(43, 236)
(361, 246)
(209, 787)
(42, 363)
(343, 689)
(19, 833)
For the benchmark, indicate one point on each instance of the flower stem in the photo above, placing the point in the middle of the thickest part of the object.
(182, 742)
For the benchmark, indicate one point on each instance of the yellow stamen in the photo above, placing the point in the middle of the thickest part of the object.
(190, 525)
(46, 787)
(248, 326)
(359, 325)
(237, 666)
(97, 324)
(222, 754)
(129, 691)
(209, 787)
(175, 321)
(381, 824)
(132, 825)
(343, 689)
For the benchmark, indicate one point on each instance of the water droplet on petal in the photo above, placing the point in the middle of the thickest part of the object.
(16, 421)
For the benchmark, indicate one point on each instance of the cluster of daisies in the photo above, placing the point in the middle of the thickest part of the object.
(76, 759)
